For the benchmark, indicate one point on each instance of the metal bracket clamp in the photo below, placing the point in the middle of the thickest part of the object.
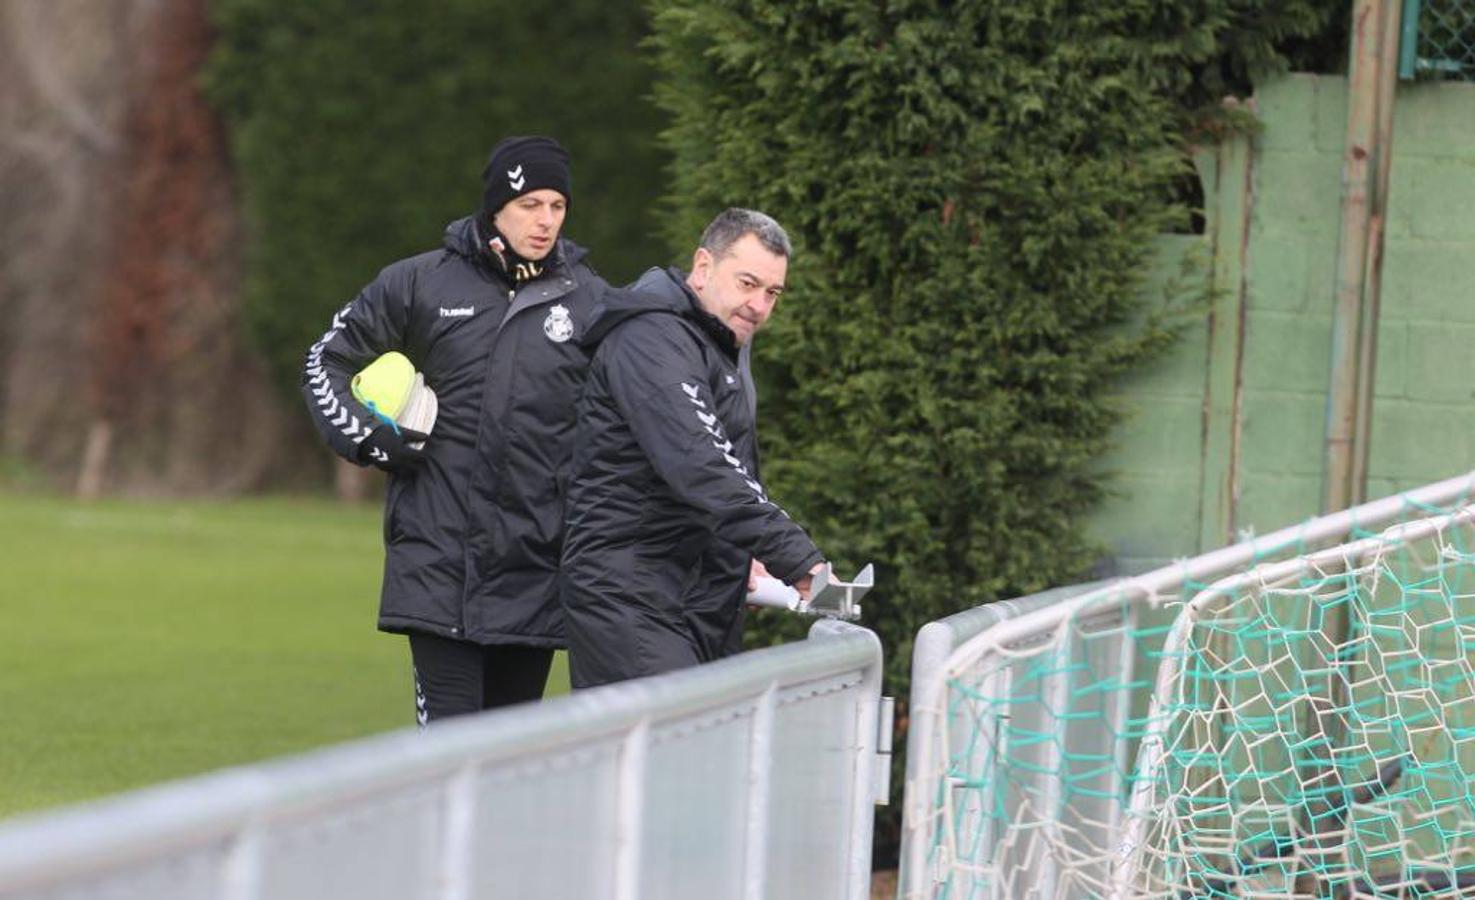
(830, 597)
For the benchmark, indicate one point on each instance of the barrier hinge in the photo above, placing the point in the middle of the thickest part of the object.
(885, 718)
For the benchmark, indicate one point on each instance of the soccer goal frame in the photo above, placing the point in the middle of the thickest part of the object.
(984, 807)
(1307, 662)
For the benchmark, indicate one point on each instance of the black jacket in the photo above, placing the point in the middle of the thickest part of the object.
(473, 538)
(665, 508)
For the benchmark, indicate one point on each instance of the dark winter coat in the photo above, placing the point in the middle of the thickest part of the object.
(665, 508)
(472, 538)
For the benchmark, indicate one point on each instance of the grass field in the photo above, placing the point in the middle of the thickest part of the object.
(141, 642)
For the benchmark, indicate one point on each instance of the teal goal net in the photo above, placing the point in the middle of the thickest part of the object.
(1313, 729)
(1289, 716)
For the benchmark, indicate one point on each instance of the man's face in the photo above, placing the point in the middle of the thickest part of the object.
(742, 287)
(531, 223)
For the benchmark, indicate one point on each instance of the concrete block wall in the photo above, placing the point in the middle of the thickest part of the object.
(1282, 286)
(1291, 265)
(1156, 465)
(1424, 383)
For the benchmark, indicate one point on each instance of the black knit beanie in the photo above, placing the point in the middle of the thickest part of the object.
(522, 164)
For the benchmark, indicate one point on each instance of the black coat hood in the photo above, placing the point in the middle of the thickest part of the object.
(658, 290)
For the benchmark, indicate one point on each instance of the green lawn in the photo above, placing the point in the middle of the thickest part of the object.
(141, 642)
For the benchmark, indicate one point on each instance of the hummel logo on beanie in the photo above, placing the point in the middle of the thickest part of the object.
(522, 164)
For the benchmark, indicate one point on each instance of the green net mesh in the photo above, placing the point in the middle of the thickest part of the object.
(1024, 781)
(1318, 730)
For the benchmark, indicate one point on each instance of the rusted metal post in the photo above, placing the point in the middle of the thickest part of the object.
(1229, 185)
(1390, 50)
(1372, 75)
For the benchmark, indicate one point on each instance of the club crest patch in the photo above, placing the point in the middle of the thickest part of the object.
(558, 326)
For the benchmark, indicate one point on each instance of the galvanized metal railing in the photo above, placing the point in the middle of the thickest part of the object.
(935, 644)
(751, 777)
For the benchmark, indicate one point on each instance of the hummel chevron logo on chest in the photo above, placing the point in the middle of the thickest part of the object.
(457, 312)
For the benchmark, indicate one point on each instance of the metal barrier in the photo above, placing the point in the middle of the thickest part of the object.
(934, 645)
(988, 806)
(750, 777)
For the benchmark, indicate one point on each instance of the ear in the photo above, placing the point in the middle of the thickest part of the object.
(701, 268)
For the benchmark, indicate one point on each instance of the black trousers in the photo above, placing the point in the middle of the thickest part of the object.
(454, 678)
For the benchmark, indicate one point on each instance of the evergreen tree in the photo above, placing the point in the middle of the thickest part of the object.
(973, 189)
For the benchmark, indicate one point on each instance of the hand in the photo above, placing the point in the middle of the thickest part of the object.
(385, 449)
(805, 585)
(757, 571)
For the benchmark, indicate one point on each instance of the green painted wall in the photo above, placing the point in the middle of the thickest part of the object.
(1424, 417)
(1226, 434)
(1153, 511)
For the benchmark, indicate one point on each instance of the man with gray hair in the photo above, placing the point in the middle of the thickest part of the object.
(665, 512)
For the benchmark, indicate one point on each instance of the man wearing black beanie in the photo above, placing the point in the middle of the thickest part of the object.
(473, 522)
(527, 192)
